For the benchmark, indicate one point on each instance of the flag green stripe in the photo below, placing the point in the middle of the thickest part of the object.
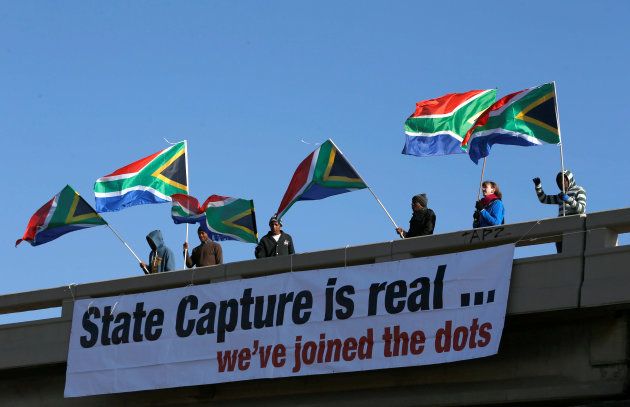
(144, 177)
(217, 218)
(322, 164)
(458, 122)
(322, 161)
(508, 118)
(64, 205)
(521, 127)
(139, 180)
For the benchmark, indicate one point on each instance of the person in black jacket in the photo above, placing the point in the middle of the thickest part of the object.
(275, 242)
(422, 222)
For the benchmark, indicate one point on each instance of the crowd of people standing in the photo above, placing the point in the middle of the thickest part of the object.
(489, 211)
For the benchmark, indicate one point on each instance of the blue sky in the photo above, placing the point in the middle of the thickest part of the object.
(88, 87)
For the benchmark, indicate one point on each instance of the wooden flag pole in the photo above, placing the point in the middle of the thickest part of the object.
(564, 211)
(370, 189)
(483, 170)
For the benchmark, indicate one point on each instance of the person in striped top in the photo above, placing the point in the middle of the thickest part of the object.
(570, 202)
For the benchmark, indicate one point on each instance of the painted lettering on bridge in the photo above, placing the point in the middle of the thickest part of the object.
(480, 235)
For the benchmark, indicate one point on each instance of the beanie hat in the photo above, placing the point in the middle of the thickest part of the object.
(275, 219)
(421, 199)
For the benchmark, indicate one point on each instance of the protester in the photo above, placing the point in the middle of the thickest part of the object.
(275, 242)
(570, 202)
(422, 221)
(208, 253)
(489, 210)
(161, 257)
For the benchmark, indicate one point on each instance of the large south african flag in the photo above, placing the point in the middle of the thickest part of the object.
(525, 118)
(65, 212)
(222, 217)
(325, 172)
(438, 126)
(150, 180)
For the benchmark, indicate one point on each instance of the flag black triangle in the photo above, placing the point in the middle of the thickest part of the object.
(176, 171)
(544, 113)
(246, 221)
(342, 168)
(83, 208)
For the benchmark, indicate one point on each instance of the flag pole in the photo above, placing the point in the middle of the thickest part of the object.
(370, 189)
(564, 211)
(125, 243)
(188, 186)
(187, 182)
(483, 170)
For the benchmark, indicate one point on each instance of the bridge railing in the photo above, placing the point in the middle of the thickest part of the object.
(607, 265)
(569, 230)
(591, 271)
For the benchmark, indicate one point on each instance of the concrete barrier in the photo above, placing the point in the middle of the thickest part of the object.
(565, 338)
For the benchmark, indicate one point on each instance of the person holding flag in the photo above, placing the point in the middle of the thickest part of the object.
(570, 202)
(208, 253)
(422, 221)
(161, 257)
(571, 199)
(489, 210)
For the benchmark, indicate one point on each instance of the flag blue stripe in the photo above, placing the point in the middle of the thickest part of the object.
(480, 145)
(189, 219)
(315, 192)
(423, 146)
(47, 235)
(131, 198)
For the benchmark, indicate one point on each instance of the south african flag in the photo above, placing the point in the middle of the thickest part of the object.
(150, 180)
(65, 212)
(222, 217)
(325, 172)
(524, 118)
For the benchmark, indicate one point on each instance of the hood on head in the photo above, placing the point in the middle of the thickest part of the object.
(569, 176)
(155, 239)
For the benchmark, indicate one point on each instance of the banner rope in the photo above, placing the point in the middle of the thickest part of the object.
(526, 233)
(72, 292)
(533, 239)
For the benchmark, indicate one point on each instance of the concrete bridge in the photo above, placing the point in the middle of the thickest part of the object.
(565, 340)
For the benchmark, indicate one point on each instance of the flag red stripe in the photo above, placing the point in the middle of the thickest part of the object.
(444, 104)
(483, 118)
(299, 180)
(135, 166)
(36, 220)
(213, 198)
(188, 202)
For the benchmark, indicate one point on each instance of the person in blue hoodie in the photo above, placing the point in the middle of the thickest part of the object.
(161, 257)
(489, 210)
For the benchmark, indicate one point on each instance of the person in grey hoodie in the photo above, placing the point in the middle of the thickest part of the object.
(161, 257)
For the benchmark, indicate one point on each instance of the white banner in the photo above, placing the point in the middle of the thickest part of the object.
(402, 313)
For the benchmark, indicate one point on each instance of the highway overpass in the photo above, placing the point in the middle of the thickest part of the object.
(565, 340)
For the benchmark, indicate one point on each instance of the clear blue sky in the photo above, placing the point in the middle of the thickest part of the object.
(88, 87)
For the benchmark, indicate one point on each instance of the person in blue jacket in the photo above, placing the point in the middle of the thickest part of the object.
(489, 210)
(161, 257)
